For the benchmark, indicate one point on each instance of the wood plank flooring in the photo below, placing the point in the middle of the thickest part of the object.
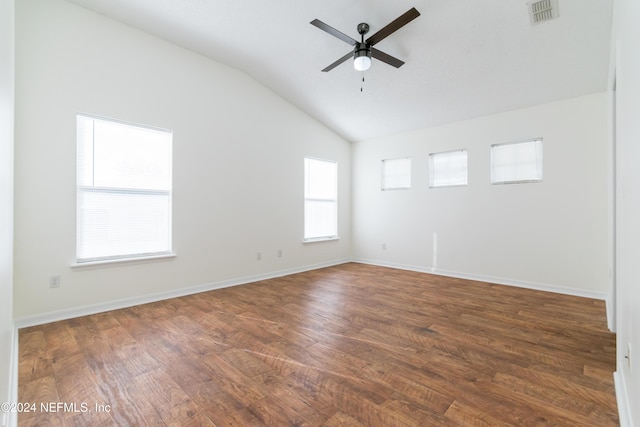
(350, 345)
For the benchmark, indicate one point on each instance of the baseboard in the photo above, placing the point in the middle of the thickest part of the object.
(490, 279)
(54, 316)
(624, 410)
(611, 313)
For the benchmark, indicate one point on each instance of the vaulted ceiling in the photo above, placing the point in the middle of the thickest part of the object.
(464, 58)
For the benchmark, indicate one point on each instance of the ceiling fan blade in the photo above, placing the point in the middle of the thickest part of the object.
(338, 62)
(386, 58)
(393, 26)
(329, 29)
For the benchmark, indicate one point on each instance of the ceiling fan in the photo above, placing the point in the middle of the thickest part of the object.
(363, 50)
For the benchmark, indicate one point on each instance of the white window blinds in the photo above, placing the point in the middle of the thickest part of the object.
(396, 174)
(448, 168)
(516, 162)
(123, 190)
(320, 199)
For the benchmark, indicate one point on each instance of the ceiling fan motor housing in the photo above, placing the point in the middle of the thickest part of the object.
(362, 49)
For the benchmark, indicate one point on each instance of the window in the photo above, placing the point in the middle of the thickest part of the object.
(320, 200)
(396, 174)
(123, 190)
(448, 169)
(516, 162)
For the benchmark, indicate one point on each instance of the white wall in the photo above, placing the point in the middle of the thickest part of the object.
(548, 235)
(238, 160)
(626, 41)
(6, 197)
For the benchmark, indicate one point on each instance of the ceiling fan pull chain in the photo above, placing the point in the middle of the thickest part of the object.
(362, 83)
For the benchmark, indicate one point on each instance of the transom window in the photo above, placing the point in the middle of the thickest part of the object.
(516, 162)
(396, 174)
(448, 168)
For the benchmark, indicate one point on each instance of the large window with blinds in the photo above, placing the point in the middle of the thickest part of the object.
(320, 200)
(124, 181)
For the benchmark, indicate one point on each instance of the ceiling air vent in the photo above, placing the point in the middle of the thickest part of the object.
(542, 10)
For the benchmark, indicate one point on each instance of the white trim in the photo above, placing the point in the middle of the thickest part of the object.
(624, 410)
(320, 239)
(54, 316)
(611, 311)
(132, 260)
(11, 419)
(123, 122)
(612, 160)
(491, 279)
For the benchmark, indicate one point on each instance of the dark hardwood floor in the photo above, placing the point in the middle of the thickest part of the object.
(351, 345)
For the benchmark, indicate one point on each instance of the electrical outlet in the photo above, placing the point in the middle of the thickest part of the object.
(279, 253)
(259, 256)
(384, 246)
(54, 281)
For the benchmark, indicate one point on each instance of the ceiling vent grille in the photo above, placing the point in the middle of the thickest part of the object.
(542, 10)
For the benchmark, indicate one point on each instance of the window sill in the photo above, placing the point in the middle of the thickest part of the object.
(522, 181)
(120, 261)
(320, 239)
(433, 187)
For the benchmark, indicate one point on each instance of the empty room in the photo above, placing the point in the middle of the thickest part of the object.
(330, 213)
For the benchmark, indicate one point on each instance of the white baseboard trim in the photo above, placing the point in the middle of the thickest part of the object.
(611, 318)
(624, 410)
(489, 279)
(54, 316)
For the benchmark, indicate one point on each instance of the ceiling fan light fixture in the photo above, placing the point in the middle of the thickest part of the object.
(362, 60)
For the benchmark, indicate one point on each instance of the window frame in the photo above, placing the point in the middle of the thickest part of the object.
(82, 188)
(334, 200)
(518, 181)
(432, 172)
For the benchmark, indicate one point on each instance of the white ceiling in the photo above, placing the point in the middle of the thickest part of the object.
(464, 58)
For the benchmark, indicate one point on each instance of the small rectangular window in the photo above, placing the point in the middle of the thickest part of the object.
(516, 162)
(320, 199)
(448, 169)
(124, 180)
(396, 174)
